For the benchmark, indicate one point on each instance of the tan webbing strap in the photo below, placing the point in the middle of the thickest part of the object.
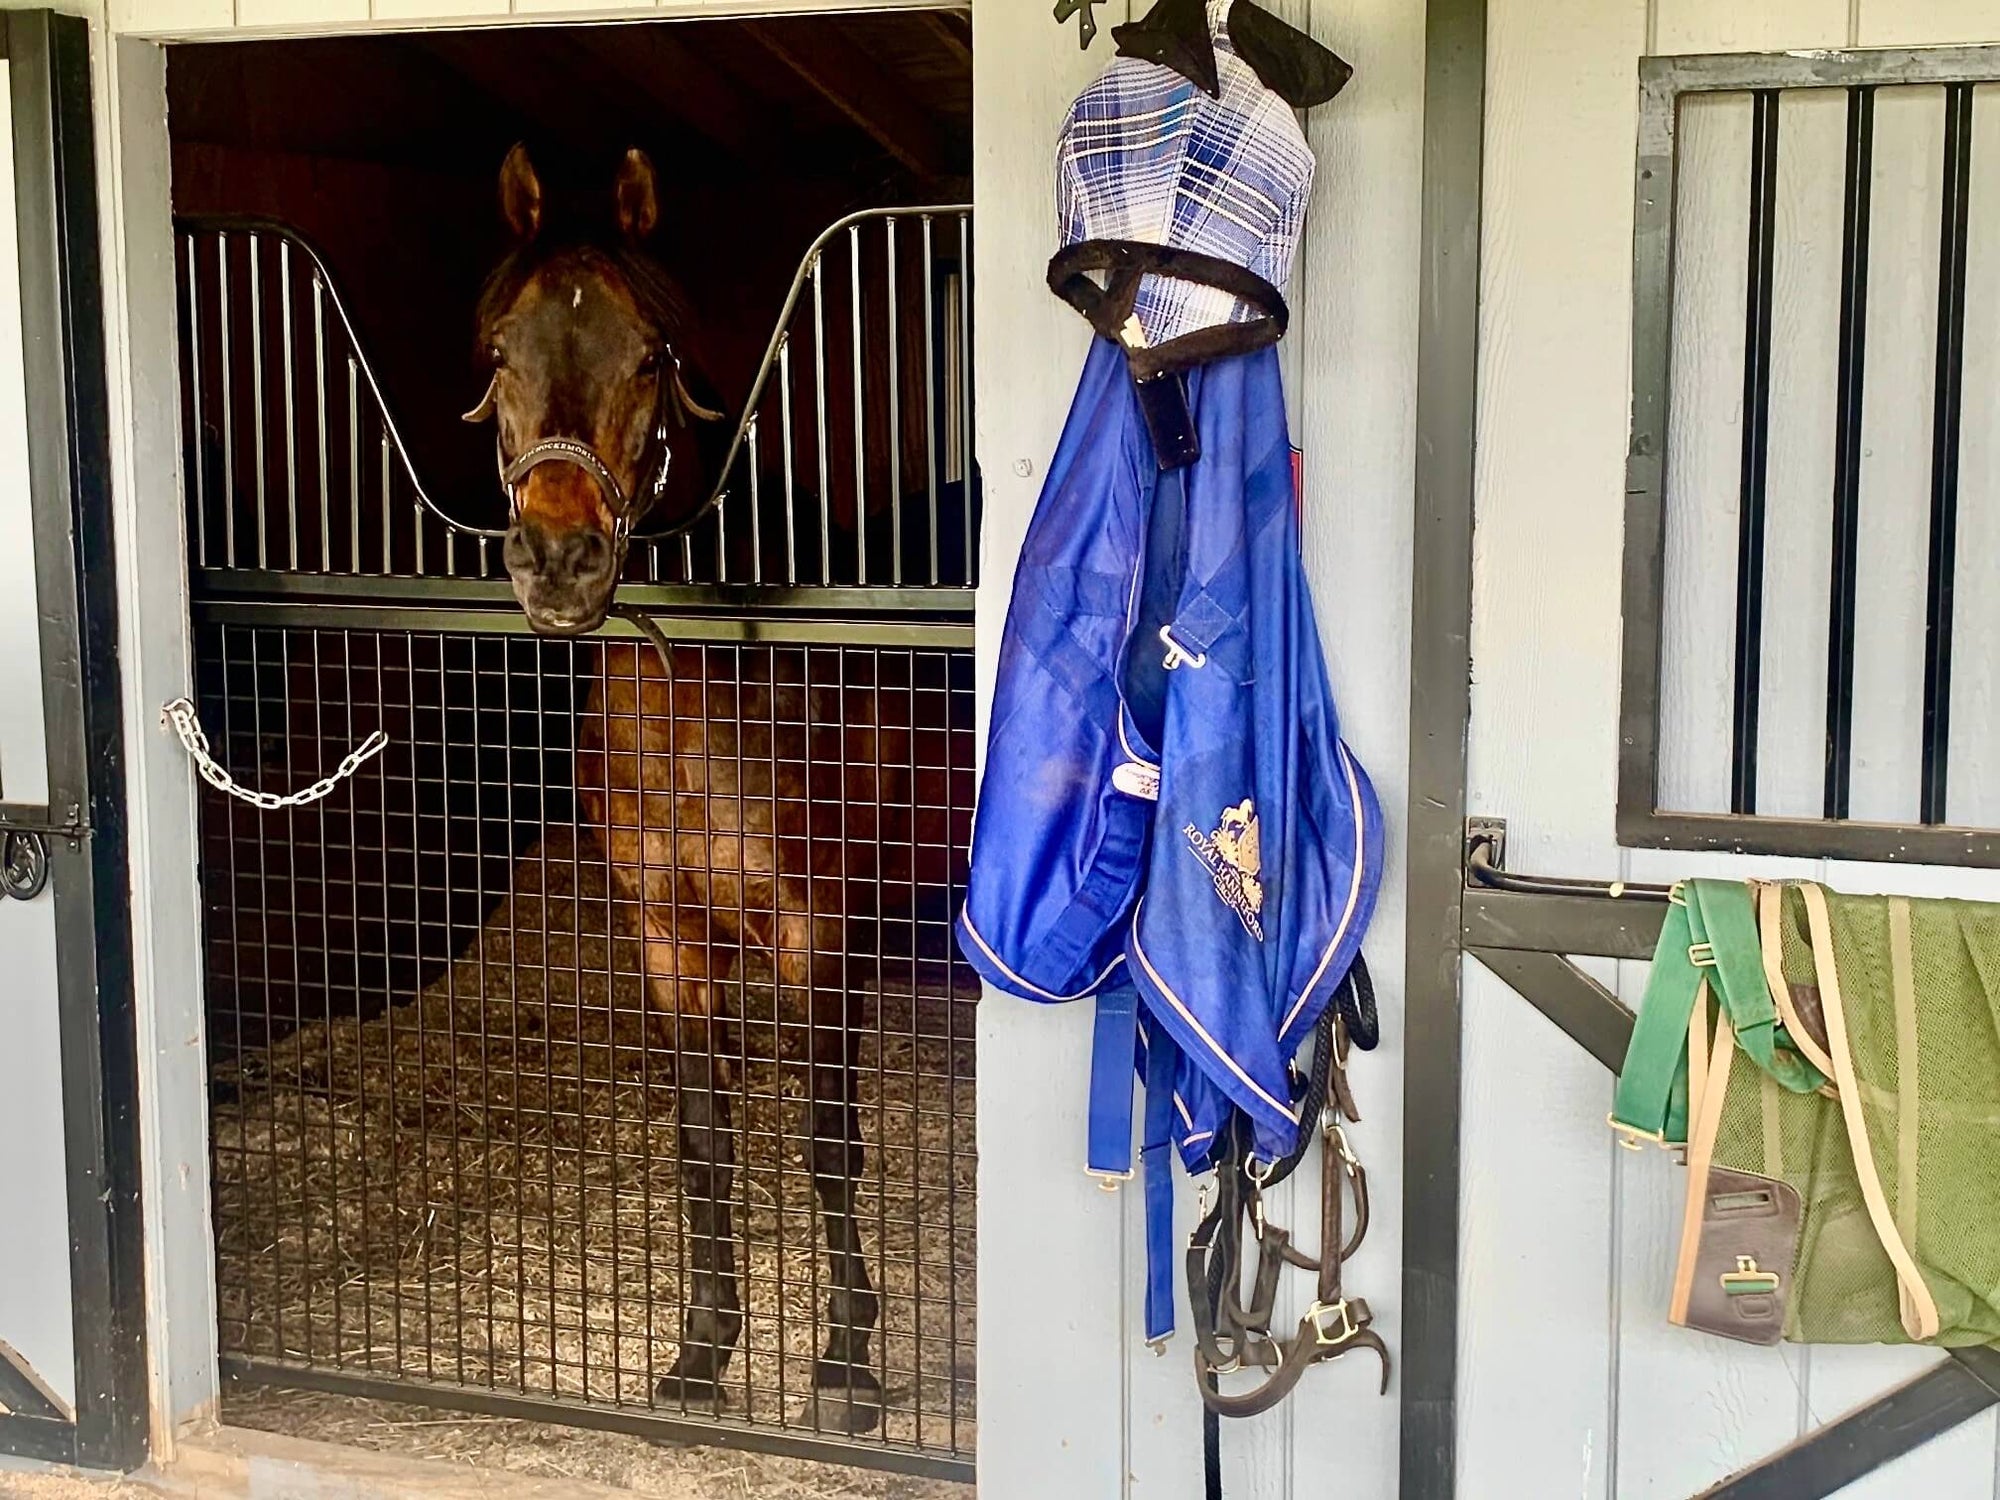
(1774, 1127)
(1771, 930)
(1919, 1309)
(1702, 1128)
(1903, 976)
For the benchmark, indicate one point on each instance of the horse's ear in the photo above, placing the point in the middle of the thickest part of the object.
(521, 194)
(638, 201)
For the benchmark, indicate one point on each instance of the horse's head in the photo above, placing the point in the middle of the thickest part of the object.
(595, 423)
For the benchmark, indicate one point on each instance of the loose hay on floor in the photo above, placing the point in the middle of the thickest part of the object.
(654, 1471)
(481, 1186)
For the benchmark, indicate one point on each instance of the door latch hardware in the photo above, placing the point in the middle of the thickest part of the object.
(24, 864)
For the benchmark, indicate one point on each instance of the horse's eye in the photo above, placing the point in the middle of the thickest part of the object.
(650, 364)
(497, 357)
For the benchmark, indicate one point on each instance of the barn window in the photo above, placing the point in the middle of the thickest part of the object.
(1813, 499)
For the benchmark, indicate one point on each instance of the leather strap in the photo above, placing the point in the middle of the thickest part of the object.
(1127, 262)
(1232, 1335)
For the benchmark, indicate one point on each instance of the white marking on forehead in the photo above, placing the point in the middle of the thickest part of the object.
(576, 297)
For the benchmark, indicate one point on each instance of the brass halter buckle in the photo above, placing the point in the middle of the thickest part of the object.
(1319, 1312)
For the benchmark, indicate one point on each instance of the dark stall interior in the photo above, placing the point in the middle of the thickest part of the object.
(383, 153)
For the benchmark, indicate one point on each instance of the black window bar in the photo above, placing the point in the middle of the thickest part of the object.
(1742, 827)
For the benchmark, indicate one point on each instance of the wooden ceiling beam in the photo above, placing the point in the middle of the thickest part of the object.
(851, 81)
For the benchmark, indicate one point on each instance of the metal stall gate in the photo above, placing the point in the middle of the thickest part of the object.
(444, 1151)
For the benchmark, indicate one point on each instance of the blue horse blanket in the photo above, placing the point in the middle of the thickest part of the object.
(1168, 818)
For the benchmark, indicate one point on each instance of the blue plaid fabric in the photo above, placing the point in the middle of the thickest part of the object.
(1146, 155)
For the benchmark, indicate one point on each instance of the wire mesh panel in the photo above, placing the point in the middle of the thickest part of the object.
(450, 1003)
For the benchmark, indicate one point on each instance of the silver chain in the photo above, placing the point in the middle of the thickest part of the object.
(180, 715)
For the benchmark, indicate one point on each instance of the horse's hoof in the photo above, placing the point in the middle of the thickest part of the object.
(845, 1398)
(676, 1389)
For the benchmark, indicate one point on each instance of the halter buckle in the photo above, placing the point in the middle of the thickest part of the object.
(1337, 1137)
(1629, 1136)
(1179, 655)
(1319, 1312)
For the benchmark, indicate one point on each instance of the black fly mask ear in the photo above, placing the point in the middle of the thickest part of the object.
(1290, 64)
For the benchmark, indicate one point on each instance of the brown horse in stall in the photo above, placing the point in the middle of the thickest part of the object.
(597, 390)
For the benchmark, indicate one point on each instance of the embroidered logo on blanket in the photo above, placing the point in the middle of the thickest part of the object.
(1235, 863)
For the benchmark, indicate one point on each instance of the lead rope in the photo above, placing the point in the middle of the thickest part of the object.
(180, 716)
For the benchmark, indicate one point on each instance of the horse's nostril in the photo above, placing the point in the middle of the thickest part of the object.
(593, 554)
(522, 548)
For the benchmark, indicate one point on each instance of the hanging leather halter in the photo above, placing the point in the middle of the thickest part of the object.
(1233, 1334)
(626, 510)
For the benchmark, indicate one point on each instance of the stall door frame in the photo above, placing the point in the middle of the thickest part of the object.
(81, 833)
(1526, 929)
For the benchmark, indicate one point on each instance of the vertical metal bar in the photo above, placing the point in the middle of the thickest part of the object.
(450, 548)
(199, 457)
(895, 415)
(388, 934)
(291, 402)
(860, 404)
(1946, 412)
(226, 349)
(257, 392)
(930, 393)
(965, 385)
(331, 1210)
(722, 541)
(319, 408)
(1851, 378)
(1756, 449)
(652, 562)
(791, 461)
(366, 1275)
(756, 508)
(353, 465)
(687, 557)
(388, 522)
(819, 426)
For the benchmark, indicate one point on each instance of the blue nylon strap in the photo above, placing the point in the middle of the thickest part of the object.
(1113, 1047)
(1157, 1155)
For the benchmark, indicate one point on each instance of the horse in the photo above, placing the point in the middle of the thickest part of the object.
(603, 420)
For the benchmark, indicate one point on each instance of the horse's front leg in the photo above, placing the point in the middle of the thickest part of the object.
(712, 1319)
(847, 1395)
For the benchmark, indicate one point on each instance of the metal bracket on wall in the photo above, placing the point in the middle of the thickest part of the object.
(1522, 927)
(1087, 26)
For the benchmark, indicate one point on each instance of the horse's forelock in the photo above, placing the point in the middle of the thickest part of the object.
(653, 291)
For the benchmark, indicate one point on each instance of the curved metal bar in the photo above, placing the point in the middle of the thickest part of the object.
(780, 336)
(249, 224)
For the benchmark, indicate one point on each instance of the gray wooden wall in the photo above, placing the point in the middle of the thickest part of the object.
(1571, 1382)
(1072, 1403)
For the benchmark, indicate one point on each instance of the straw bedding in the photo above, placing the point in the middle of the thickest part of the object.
(480, 1185)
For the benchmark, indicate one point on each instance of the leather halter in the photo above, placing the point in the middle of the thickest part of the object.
(625, 509)
(1233, 1334)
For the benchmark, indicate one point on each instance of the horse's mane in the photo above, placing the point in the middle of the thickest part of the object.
(659, 297)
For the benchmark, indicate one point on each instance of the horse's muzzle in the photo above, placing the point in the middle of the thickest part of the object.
(563, 579)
